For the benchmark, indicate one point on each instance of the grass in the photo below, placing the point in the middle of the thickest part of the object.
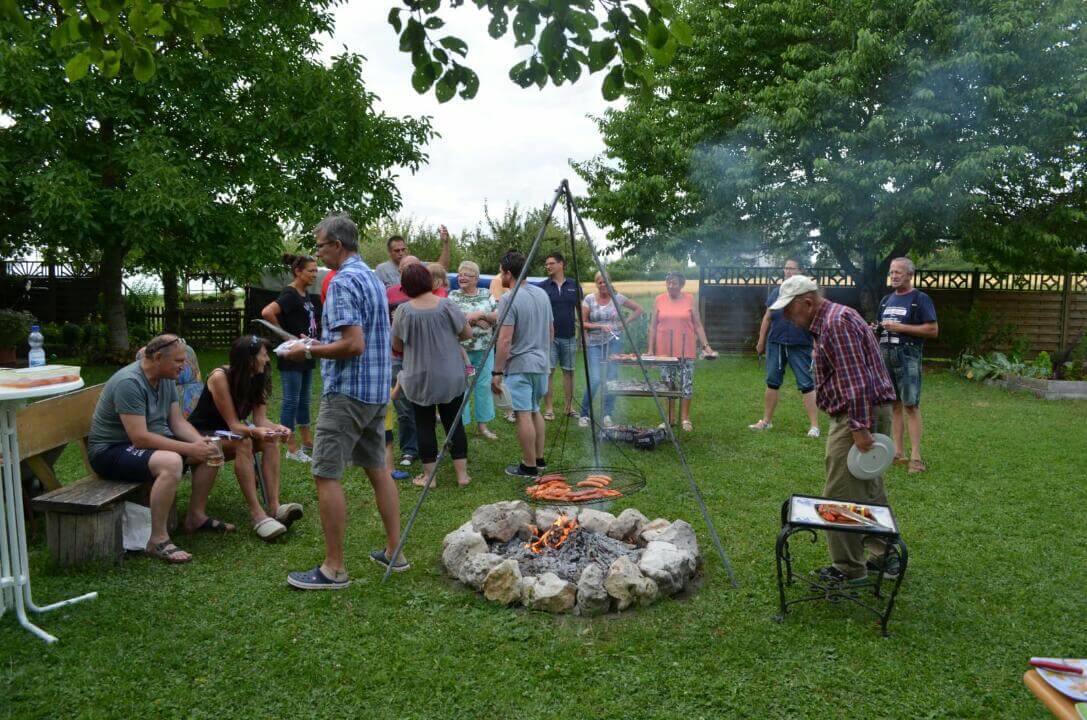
(997, 558)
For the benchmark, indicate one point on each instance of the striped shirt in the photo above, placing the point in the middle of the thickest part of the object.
(850, 376)
(357, 297)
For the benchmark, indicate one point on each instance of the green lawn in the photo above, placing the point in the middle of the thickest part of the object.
(997, 556)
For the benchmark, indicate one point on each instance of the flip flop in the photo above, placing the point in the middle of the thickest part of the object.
(165, 551)
(215, 526)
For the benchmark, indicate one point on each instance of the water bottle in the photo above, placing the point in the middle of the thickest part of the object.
(37, 354)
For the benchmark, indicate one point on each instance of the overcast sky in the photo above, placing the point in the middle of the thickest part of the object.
(505, 145)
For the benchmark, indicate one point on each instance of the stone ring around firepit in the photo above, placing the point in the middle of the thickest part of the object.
(571, 560)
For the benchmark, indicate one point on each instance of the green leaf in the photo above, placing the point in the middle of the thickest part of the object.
(446, 88)
(663, 56)
(440, 55)
(682, 32)
(524, 24)
(499, 23)
(601, 53)
(470, 81)
(433, 23)
(454, 44)
(394, 19)
(572, 68)
(111, 63)
(612, 88)
(144, 68)
(77, 66)
(217, 4)
(657, 36)
(521, 74)
(423, 77)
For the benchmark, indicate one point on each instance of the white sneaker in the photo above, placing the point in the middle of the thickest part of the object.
(406, 460)
(607, 421)
(760, 425)
(813, 432)
(299, 456)
(583, 421)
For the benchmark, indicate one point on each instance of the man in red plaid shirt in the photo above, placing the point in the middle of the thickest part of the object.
(852, 387)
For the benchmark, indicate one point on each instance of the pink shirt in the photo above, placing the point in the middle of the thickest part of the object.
(675, 329)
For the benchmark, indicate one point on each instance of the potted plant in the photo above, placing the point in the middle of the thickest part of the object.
(14, 327)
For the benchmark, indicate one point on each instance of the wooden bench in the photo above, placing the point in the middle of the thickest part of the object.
(83, 518)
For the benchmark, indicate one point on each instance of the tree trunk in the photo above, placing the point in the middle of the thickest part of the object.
(110, 277)
(172, 301)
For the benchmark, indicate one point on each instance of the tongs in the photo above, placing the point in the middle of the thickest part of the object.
(857, 517)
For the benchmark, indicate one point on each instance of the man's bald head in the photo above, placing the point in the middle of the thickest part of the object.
(407, 260)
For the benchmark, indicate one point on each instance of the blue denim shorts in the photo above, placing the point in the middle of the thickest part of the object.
(903, 363)
(798, 358)
(526, 389)
(563, 353)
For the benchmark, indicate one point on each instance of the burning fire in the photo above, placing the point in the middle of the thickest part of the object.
(554, 536)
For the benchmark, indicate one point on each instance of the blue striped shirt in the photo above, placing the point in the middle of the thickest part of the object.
(357, 297)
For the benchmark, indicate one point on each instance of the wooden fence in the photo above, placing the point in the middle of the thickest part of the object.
(1048, 311)
(212, 326)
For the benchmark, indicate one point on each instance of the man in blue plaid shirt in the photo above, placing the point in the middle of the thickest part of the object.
(356, 362)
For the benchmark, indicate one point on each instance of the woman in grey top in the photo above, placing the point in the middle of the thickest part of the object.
(427, 330)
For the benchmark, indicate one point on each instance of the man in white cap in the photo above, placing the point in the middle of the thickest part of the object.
(852, 387)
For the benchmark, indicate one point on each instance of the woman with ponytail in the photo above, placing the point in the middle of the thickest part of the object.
(294, 312)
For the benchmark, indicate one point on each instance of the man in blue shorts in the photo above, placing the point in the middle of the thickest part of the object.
(905, 318)
(521, 356)
(138, 435)
(785, 343)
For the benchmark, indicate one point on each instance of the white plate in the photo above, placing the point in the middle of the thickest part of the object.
(1074, 686)
(872, 464)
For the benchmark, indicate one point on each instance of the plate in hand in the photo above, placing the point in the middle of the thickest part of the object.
(870, 465)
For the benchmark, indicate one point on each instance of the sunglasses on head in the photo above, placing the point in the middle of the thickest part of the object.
(151, 350)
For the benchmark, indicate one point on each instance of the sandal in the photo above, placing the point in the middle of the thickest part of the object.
(420, 481)
(488, 434)
(687, 426)
(269, 529)
(167, 551)
(900, 460)
(214, 525)
(760, 425)
(917, 466)
(571, 413)
(549, 415)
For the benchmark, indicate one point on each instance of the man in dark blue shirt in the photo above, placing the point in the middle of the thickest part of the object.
(565, 298)
(906, 317)
(783, 342)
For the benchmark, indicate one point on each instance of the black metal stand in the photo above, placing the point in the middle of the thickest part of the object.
(870, 595)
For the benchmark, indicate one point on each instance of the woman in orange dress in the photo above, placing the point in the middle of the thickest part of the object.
(673, 331)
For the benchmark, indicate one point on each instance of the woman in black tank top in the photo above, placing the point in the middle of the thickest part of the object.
(233, 393)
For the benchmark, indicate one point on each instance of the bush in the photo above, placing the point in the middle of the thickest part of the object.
(70, 335)
(14, 327)
(997, 366)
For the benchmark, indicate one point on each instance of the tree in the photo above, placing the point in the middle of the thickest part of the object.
(517, 229)
(204, 165)
(564, 37)
(859, 131)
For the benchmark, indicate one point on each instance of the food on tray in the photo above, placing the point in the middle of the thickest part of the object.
(839, 513)
(555, 488)
(619, 357)
(26, 378)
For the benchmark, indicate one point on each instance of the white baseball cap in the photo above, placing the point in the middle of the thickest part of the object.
(791, 288)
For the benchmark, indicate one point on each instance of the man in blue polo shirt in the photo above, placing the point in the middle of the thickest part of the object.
(565, 298)
(783, 342)
(906, 317)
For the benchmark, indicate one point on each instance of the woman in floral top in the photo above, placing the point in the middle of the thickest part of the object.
(481, 310)
(603, 338)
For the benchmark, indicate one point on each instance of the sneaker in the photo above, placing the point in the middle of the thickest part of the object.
(521, 471)
(891, 568)
(583, 421)
(406, 460)
(540, 464)
(832, 575)
(315, 579)
(299, 456)
(401, 474)
(607, 421)
(760, 425)
(381, 559)
(510, 417)
(813, 432)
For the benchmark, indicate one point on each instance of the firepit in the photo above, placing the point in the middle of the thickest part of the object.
(571, 559)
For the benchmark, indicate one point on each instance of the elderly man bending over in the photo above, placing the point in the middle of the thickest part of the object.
(139, 435)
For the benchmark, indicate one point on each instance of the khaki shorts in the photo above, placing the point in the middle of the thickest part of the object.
(348, 432)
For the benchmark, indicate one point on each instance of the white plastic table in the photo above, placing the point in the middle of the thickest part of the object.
(14, 563)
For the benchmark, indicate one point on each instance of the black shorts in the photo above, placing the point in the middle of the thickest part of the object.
(124, 463)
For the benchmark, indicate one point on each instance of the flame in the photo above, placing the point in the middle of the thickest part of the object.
(554, 536)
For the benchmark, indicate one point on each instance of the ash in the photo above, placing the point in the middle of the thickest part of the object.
(580, 549)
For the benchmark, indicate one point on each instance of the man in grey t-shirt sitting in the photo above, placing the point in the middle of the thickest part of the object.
(139, 435)
(523, 356)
